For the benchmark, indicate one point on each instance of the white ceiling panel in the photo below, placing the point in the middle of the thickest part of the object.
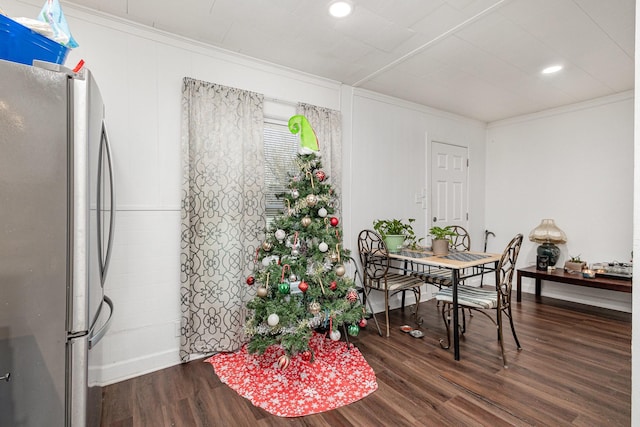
(477, 58)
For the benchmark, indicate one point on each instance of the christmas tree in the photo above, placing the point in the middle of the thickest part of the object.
(302, 249)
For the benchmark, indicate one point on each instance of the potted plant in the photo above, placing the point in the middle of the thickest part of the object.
(440, 239)
(574, 265)
(395, 232)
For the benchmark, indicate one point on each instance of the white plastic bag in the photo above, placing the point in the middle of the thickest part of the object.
(51, 13)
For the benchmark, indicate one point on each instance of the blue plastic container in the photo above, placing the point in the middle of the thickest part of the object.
(21, 44)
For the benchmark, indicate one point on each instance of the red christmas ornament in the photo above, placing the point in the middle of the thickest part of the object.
(306, 355)
(303, 286)
(334, 221)
(320, 175)
(251, 280)
(333, 285)
(363, 323)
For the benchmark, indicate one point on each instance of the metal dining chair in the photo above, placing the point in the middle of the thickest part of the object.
(486, 300)
(374, 258)
(441, 277)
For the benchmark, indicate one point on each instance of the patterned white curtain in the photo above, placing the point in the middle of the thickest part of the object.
(223, 212)
(327, 124)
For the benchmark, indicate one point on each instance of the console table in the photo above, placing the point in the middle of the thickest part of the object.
(560, 276)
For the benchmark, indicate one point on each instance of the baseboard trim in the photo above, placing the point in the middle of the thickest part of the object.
(127, 369)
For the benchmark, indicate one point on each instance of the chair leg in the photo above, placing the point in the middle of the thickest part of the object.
(500, 338)
(346, 336)
(417, 294)
(463, 329)
(447, 321)
(386, 311)
(375, 319)
(513, 328)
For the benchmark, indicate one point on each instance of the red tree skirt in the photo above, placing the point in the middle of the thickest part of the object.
(338, 376)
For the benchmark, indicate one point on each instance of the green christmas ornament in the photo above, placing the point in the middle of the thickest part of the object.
(284, 288)
(353, 329)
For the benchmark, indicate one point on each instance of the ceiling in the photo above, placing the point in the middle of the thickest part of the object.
(477, 58)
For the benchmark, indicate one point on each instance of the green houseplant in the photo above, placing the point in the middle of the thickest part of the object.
(574, 264)
(395, 232)
(440, 239)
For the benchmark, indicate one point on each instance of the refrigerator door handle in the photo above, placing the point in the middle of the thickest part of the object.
(104, 258)
(97, 335)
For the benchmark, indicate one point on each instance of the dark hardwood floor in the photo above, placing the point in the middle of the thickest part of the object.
(574, 370)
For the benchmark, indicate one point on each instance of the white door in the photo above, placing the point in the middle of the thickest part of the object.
(448, 184)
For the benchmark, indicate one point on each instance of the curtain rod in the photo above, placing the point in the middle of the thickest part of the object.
(280, 101)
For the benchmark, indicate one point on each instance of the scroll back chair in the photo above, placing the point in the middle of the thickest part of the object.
(441, 277)
(486, 300)
(374, 258)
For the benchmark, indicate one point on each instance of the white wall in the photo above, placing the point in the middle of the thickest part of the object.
(574, 165)
(386, 151)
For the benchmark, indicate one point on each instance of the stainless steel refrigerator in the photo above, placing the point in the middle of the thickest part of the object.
(56, 237)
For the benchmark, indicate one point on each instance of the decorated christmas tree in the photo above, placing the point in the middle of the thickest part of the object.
(299, 268)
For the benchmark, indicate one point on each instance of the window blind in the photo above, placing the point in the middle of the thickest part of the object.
(280, 150)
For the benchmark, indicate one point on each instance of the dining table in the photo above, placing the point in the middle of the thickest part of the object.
(462, 264)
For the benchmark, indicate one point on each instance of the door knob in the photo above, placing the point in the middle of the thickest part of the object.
(6, 377)
(435, 219)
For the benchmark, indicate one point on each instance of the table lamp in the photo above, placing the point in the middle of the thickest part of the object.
(548, 234)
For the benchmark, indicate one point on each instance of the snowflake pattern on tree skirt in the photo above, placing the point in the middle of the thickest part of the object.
(338, 376)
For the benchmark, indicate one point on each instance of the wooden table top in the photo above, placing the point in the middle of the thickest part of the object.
(453, 260)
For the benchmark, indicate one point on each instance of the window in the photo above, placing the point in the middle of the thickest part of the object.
(280, 150)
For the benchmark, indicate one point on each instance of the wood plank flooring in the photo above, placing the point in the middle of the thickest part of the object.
(574, 370)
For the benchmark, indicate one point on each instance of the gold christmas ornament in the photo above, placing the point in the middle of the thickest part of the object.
(262, 292)
(340, 270)
(311, 199)
(333, 256)
(266, 246)
(306, 221)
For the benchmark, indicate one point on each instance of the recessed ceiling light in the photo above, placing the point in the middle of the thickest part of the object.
(552, 69)
(340, 9)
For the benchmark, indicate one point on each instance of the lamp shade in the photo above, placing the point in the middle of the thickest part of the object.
(547, 232)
